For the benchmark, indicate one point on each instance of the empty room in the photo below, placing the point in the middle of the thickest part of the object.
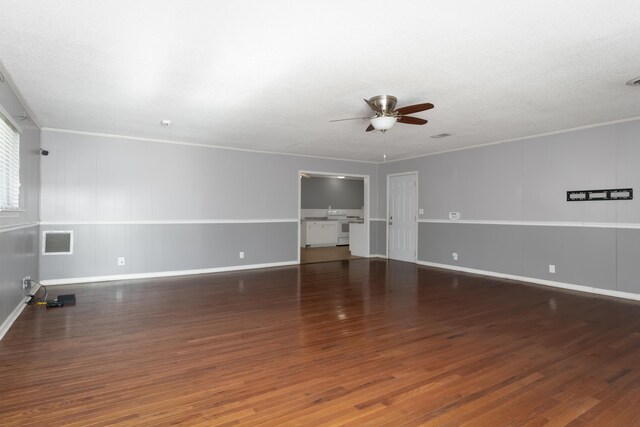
(319, 213)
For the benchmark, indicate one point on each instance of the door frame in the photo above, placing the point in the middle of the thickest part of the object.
(367, 207)
(415, 173)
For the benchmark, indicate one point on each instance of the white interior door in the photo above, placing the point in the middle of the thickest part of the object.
(403, 219)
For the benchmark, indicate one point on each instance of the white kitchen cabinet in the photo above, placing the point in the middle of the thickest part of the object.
(321, 233)
(314, 233)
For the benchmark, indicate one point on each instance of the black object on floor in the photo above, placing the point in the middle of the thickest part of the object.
(53, 304)
(68, 299)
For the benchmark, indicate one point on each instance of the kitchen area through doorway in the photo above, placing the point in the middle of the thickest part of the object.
(331, 217)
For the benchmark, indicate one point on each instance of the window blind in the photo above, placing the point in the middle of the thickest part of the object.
(9, 165)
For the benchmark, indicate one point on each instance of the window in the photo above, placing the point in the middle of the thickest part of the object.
(9, 165)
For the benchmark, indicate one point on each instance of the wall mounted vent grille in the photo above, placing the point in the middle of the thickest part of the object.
(57, 243)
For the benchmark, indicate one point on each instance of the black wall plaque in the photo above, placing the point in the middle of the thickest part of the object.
(591, 195)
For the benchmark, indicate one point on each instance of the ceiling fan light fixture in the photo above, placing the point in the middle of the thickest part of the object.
(383, 123)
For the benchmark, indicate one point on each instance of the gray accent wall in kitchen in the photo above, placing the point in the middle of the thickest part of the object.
(320, 193)
(526, 182)
(159, 205)
(19, 246)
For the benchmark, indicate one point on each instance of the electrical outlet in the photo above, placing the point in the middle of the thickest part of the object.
(120, 260)
(552, 269)
(241, 255)
(454, 255)
(26, 284)
(420, 211)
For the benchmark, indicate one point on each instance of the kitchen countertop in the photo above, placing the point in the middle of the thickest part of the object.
(321, 218)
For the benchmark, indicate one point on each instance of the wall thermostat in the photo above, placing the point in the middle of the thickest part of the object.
(454, 216)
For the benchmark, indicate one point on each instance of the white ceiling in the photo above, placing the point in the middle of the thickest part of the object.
(269, 75)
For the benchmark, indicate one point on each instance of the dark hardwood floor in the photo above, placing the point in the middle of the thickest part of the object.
(361, 342)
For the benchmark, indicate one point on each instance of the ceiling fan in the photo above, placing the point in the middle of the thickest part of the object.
(385, 115)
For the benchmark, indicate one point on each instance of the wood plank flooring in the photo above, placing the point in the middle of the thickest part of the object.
(361, 342)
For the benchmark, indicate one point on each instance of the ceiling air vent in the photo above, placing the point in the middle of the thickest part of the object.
(441, 135)
(634, 82)
(57, 242)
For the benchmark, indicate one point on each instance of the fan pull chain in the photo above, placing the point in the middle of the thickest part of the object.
(384, 144)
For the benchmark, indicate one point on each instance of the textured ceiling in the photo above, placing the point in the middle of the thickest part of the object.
(269, 75)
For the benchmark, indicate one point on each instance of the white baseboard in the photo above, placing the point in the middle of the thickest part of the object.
(377, 256)
(562, 285)
(4, 328)
(77, 280)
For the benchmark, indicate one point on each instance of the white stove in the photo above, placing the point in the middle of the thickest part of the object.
(336, 214)
(343, 224)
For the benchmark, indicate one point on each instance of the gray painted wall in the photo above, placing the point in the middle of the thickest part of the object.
(18, 258)
(150, 248)
(19, 248)
(378, 237)
(320, 193)
(527, 180)
(582, 256)
(92, 179)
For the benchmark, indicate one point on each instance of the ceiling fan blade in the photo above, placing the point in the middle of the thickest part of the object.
(370, 128)
(411, 120)
(410, 109)
(373, 106)
(354, 118)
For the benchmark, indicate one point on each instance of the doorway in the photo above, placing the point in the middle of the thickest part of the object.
(333, 214)
(402, 209)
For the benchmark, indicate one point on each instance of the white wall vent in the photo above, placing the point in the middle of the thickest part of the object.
(57, 242)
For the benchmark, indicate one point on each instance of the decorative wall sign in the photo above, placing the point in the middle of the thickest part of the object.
(590, 195)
